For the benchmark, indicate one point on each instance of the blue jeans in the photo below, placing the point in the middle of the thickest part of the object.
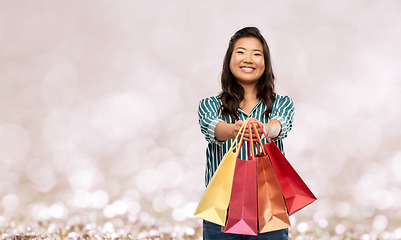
(213, 231)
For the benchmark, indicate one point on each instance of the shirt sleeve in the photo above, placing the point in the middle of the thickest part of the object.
(283, 111)
(208, 119)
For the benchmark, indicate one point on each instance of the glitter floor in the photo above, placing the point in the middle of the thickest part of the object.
(126, 228)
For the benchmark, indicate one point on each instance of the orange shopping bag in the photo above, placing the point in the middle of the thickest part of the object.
(272, 211)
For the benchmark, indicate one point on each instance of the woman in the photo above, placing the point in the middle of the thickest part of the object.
(248, 94)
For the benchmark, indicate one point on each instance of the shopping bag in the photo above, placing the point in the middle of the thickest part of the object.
(214, 202)
(272, 211)
(242, 212)
(296, 193)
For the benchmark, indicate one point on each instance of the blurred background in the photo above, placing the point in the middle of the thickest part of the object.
(99, 133)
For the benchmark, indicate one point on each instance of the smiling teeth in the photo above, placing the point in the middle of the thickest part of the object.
(249, 69)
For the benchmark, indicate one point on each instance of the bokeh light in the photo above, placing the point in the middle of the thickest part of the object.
(99, 136)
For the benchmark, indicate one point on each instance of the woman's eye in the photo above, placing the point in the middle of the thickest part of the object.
(258, 54)
(240, 52)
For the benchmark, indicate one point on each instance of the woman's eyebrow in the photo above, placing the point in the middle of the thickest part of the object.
(255, 50)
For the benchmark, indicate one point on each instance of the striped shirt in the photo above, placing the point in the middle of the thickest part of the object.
(208, 112)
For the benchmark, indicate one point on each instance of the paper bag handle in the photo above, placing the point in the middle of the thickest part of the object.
(235, 144)
(261, 127)
(258, 137)
(251, 144)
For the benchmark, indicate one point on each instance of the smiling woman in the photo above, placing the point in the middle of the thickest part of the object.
(247, 65)
(248, 94)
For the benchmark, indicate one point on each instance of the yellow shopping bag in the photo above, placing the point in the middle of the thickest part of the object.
(214, 203)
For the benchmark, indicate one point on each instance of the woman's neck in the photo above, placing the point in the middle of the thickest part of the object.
(250, 92)
(250, 99)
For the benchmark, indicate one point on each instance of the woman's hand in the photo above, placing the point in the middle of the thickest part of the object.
(247, 134)
(272, 128)
(225, 131)
(258, 125)
(238, 126)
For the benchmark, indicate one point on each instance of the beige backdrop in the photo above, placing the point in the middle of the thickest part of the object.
(98, 110)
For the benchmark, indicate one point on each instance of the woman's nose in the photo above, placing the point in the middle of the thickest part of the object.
(248, 60)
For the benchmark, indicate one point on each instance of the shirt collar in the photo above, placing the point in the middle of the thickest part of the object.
(253, 109)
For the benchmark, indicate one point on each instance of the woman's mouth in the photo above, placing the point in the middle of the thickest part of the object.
(247, 69)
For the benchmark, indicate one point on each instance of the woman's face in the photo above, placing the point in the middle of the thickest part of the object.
(247, 62)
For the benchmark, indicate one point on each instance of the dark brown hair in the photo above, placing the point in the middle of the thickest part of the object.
(232, 92)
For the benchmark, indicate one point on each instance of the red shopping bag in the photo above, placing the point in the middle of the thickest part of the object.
(242, 212)
(296, 193)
